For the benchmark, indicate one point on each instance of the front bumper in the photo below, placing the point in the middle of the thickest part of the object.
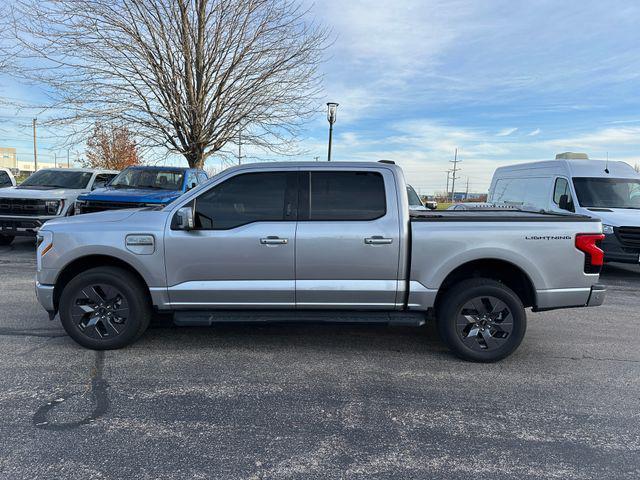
(614, 251)
(22, 226)
(44, 294)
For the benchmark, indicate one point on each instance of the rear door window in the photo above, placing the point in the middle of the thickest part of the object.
(343, 195)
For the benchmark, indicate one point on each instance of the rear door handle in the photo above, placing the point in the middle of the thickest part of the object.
(378, 240)
(272, 240)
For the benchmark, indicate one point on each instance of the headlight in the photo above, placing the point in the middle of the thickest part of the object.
(54, 206)
(607, 229)
(44, 241)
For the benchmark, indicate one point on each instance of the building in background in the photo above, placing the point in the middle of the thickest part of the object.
(469, 197)
(8, 158)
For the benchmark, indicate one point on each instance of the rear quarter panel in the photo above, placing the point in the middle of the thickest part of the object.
(545, 251)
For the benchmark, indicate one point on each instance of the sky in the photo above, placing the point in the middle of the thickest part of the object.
(502, 81)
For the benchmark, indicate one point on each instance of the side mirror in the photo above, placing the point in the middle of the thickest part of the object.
(98, 185)
(565, 204)
(183, 219)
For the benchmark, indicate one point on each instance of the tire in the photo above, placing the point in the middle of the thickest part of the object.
(105, 308)
(6, 239)
(473, 320)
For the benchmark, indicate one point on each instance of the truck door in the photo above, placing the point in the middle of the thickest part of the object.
(241, 252)
(347, 240)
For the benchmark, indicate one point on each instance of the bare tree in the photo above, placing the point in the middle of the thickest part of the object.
(185, 74)
(111, 147)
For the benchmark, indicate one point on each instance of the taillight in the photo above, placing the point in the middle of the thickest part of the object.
(589, 244)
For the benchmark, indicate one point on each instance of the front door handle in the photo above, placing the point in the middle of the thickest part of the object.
(378, 240)
(272, 240)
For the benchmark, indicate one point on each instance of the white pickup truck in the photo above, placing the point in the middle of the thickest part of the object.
(313, 241)
(6, 178)
(47, 194)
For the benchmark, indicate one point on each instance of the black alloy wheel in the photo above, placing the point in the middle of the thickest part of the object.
(481, 320)
(105, 308)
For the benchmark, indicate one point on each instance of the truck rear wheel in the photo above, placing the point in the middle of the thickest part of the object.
(6, 239)
(105, 308)
(481, 320)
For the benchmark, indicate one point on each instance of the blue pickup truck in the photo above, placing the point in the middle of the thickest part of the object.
(141, 186)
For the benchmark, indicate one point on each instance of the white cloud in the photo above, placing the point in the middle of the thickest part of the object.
(506, 132)
(534, 133)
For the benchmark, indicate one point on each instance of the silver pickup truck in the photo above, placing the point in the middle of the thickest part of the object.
(312, 241)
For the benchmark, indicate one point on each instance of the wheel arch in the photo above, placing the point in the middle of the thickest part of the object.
(500, 270)
(81, 264)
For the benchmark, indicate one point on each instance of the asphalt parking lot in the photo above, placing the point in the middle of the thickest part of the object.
(318, 401)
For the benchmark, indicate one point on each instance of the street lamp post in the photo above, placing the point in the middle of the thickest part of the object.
(332, 108)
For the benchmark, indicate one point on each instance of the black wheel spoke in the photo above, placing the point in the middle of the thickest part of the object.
(92, 295)
(489, 340)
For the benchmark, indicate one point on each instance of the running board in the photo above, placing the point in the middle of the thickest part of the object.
(203, 318)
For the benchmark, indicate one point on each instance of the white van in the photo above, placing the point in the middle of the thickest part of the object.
(572, 183)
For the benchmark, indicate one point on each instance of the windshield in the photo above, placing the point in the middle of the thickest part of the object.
(152, 178)
(608, 192)
(414, 200)
(58, 179)
(5, 180)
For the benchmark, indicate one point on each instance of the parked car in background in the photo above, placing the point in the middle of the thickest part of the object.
(310, 240)
(46, 194)
(6, 178)
(481, 206)
(609, 191)
(141, 186)
(431, 203)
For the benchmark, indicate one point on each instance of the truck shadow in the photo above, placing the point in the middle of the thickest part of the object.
(306, 335)
(621, 272)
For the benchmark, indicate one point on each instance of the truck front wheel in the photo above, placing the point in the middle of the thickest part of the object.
(105, 308)
(481, 320)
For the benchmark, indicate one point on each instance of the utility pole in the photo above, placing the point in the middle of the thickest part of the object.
(466, 193)
(447, 190)
(455, 162)
(35, 147)
(55, 160)
(68, 164)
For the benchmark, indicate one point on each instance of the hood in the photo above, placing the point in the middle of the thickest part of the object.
(110, 194)
(37, 193)
(617, 217)
(98, 217)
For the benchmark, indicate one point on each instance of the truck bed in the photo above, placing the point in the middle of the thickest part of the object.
(496, 216)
